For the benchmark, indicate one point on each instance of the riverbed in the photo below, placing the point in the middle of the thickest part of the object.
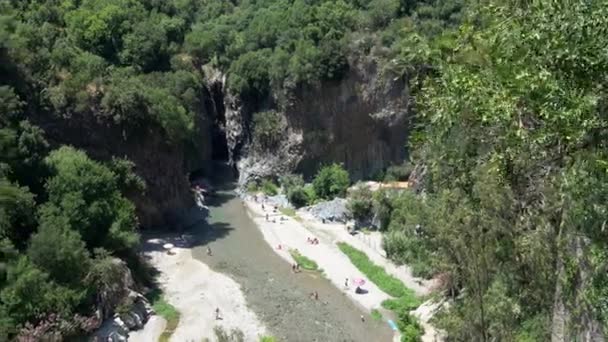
(280, 298)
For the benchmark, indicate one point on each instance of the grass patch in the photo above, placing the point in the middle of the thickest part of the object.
(386, 282)
(268, 339)
(166, 311)
(376, 315)
(405, 299)
(304, 262)
(291, 212)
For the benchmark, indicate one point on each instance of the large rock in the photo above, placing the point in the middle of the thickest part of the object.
(331, 211)
(117, 327)
(118, 293)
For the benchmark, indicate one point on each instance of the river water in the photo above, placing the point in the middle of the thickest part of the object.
(279, 297)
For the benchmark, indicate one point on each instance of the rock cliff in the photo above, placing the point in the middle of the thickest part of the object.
(361, 121)
(162, 164)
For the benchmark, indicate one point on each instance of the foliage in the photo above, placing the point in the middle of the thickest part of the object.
(398, 172)
(512, 136)
(269, 188)
(331, 181)
(411, 331)
(299, 197)
(294, 187)
(268, 339)
(290, 181)
(376, 315)
(166, 311)
(60, 252)
(303, 261)
(267, 128)
(84, 195)
(48, 279)
(360, 202)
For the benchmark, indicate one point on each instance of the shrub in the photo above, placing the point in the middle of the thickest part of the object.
(331, 181)
(269, 188)
(311, 194)
(268, 339)
(303, 261)
(376, 315)
(298, 197)
(398, 172)
(267, 128)
(291, 181)
(411, 331)
(360, 202)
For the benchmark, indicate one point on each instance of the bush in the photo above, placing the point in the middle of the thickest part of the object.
(298, 197)
(376, 315)
(398, 172)
(269, 188)
(331, 181)
(303, 261)
(360, 203)
(267, 128)
(291, 181)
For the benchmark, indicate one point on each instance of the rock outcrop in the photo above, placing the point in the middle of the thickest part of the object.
(361, 121)
(120, 307)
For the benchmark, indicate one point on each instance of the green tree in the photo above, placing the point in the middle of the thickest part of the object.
(60, 251)
(84, 195)
(331, 181)
(30, 293)
(360, 202)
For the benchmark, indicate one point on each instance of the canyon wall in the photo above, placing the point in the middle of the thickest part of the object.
(361, 121)
(163, 165)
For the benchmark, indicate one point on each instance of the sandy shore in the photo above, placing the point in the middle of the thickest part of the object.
(292, 234)
(196, 291)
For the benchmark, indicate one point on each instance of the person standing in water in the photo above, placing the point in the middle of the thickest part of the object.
(208, 251)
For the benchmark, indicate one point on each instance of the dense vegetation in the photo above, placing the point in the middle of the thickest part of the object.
(512, 133)
(513, 137)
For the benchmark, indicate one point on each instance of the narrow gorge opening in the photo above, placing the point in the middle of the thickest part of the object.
(219, 143)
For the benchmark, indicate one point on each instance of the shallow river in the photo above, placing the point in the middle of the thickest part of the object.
(279, 297)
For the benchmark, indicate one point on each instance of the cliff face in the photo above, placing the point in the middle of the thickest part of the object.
(163, 165)
(361, 121)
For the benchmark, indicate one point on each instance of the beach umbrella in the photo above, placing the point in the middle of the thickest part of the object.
(358, 281)
(168, 246)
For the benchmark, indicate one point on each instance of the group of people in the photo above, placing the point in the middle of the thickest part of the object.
(312, 241)
(295, 268)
